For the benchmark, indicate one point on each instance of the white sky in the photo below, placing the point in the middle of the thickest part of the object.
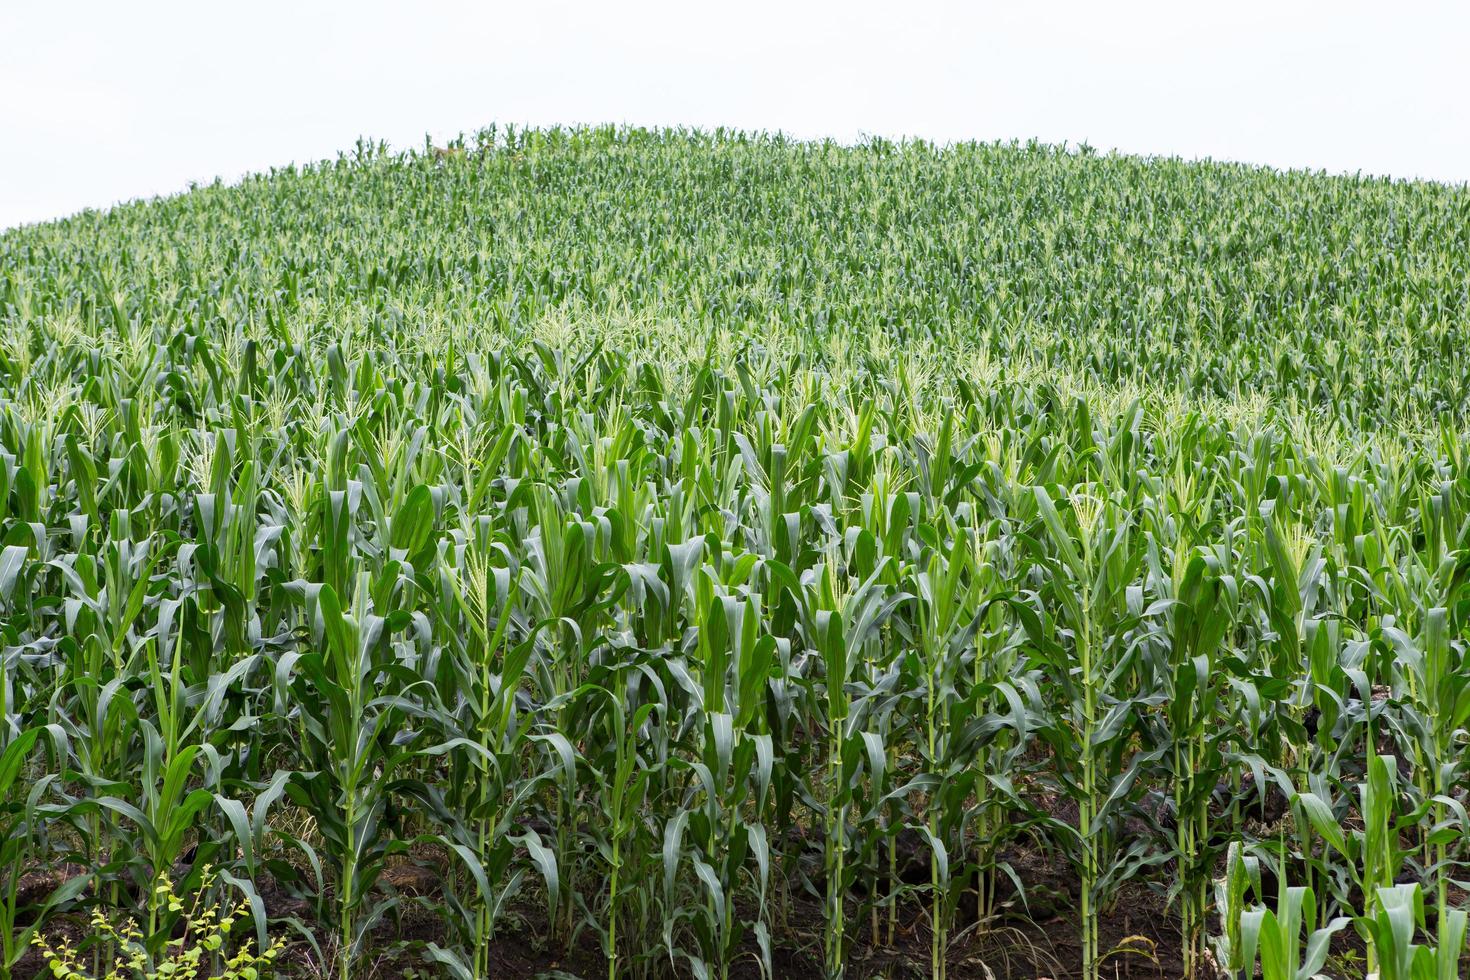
(106, 101)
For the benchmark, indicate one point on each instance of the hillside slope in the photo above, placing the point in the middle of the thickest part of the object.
(1341, 295)
(673, 554)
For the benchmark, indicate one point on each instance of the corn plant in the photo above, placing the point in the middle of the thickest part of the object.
(349, 700)
(12, 760)
(1092, 571)
(1398, 915)
(1287, 939)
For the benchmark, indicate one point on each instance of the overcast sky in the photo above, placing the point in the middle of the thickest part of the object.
(106, 101)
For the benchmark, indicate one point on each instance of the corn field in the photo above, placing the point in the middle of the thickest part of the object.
(679, 554)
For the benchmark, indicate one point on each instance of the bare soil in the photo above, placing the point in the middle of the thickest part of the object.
(1043, 944)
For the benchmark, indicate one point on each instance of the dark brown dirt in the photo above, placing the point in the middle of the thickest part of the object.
(1011, 947)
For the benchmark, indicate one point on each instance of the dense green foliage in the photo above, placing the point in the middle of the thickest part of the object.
(662, 528)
